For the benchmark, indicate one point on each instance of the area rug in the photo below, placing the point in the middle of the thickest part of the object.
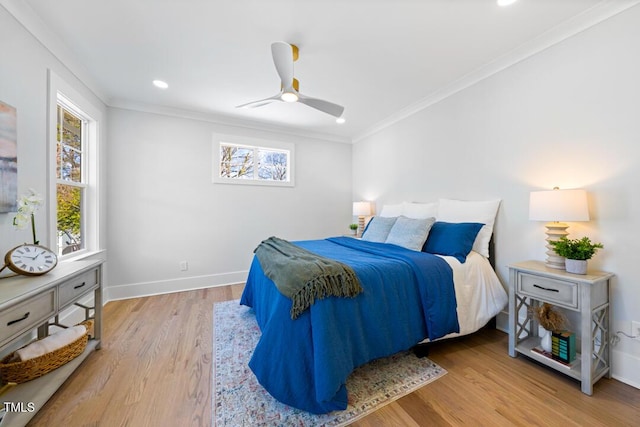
(239, 400)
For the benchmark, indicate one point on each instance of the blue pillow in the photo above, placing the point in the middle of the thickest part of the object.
(410, 233)
(378, 229)
(452, 239)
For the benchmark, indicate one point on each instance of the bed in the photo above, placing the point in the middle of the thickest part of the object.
(408, 296)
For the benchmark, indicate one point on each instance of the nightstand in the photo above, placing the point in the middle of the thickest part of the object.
(531, 284)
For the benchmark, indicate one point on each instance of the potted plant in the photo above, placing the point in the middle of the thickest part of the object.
(576, 252)
(354, 228)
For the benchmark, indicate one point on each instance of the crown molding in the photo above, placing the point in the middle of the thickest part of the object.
(222, 120)
(25, 16)
(602, 11)
(577, 24)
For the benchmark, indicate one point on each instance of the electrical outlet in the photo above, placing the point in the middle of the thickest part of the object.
(635, 330)
(184, 265)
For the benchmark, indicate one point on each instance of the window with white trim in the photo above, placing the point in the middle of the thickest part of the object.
(73, 165)
(247, 161)
(71, 177)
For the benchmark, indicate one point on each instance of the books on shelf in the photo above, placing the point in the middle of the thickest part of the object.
(538, 350)
(563, 346)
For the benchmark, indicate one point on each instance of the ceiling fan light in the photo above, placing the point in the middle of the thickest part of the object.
(340, 120)
(160, 84)
(289, 97)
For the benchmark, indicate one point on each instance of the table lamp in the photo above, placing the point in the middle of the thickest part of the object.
(361, 209)
(556, 206)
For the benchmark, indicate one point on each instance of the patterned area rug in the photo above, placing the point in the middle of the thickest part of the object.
(239, 400)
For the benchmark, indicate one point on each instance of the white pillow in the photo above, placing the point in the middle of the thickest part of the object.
(391, 210)
(471, 211)
(410, 233)
(420, 210)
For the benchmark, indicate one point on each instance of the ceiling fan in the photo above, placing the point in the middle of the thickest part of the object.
(284, 55)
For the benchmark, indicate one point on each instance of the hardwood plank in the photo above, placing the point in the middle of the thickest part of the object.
(154, 369)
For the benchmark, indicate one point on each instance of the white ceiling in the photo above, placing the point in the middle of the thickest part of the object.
(381, 59)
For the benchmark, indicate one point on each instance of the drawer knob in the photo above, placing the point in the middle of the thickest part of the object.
(79, 286)
(26, 315)
(545, 289)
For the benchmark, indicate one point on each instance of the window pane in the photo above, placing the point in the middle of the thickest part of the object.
(69, 147)
(70, 164)
(273, 165)
(236, 162)
(69, 218)
(254, 164)
(71, 130)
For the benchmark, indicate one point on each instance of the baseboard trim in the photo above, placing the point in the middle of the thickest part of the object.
(160, 287)
(502, 321)
(623, 365)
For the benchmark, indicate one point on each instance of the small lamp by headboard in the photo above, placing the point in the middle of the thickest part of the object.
(361, 210)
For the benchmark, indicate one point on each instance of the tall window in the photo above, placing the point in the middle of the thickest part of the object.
(73, 162)
(70, 178)
(240, 160)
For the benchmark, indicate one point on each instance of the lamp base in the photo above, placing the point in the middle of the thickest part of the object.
(360, 226)
(555, 231)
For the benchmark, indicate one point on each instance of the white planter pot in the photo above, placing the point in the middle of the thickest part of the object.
(576, 266)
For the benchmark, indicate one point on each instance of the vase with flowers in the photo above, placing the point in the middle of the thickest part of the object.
(28, 204)
(550, 320)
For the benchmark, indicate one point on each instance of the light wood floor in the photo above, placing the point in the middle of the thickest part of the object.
(154, 369)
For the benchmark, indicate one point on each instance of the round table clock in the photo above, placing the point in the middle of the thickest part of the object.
(30, 260)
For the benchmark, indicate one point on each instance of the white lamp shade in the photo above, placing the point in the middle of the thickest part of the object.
(361, 208)
(558, 205)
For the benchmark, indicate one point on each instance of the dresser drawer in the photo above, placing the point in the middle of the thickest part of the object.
(557, 292)
(78, 286)
(26, 315)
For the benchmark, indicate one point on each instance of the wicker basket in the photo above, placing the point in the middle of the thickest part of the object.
(20, 372)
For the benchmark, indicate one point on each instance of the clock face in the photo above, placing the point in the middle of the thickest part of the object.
(31, 260)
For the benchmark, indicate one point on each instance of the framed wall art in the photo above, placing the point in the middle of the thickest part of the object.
(8, 158)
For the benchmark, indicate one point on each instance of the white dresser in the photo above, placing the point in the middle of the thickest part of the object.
(34, 303)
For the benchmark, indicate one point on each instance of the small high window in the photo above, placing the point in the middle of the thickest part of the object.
(252, 162)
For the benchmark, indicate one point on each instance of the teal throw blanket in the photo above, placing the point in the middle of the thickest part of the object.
(304, 276)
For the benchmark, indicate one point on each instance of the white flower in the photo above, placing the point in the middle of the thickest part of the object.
(22, 220)
(27, 205)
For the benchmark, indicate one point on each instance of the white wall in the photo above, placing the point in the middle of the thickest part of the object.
(163, 207)
(24, 64)
(566, 117)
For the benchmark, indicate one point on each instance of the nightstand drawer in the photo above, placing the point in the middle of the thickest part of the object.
(26, 315)
(553, 291)
(71, 290)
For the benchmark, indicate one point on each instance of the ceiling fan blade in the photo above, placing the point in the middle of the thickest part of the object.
(283, 59)
(325, 106)
(261, 102)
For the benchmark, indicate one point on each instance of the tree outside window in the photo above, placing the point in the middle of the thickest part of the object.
(243, 162)
(71, 185)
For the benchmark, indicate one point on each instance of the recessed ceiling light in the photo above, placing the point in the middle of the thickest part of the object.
(160, 84)
(504, 3)
(340, 120)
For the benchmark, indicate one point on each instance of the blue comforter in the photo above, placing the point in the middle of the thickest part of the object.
(408, 296)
